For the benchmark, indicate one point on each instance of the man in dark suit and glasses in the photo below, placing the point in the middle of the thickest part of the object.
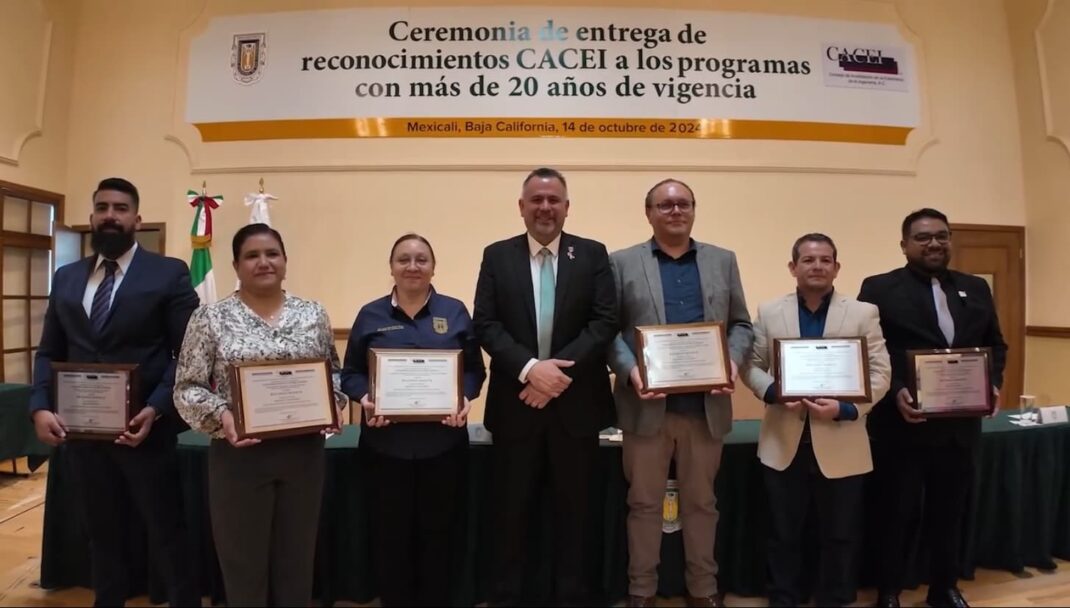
(545, 312)
(122, 305)
(926, 465)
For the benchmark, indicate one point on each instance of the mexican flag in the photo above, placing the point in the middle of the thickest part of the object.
(200, 235)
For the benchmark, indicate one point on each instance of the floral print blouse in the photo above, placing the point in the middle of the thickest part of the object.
(229, 331)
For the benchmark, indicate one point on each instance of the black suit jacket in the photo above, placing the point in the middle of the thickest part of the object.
(145, 325)
(585, 323)
(908, 320)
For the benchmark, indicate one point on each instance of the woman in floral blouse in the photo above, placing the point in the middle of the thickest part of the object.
(264, 497)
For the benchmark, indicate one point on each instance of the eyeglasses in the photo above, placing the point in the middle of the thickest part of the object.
(924, 238)
(666, 207)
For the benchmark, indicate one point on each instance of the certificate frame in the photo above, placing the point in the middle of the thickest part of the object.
(131, 390)
(863, 394)
(722, 373)
(240, 403)
(432, 413)
(982, 407)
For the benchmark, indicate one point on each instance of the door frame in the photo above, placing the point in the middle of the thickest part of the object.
(1020, 345)
(160, 227)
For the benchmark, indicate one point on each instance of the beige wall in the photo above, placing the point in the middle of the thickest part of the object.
(343, 202)
(1040, 30)
(37, 44)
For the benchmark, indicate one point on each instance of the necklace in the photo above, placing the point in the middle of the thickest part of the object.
(270, 318)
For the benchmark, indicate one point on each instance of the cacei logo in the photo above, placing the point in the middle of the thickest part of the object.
(862, 60)
(861, 66)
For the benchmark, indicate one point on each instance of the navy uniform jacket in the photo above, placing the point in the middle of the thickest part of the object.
(443, 323)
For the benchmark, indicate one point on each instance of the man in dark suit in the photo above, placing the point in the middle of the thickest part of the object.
(545, 311)
(122, 305)
(924, 464)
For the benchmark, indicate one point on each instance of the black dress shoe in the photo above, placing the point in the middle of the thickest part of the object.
(949, 598)
(887, 600)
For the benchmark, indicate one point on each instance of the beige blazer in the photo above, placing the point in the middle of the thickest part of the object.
(841, 447)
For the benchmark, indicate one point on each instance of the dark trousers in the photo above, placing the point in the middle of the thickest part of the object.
(116, 483)
(416, 516)
(838, 503)
(265, 506)
(547, 460)
(925, 483)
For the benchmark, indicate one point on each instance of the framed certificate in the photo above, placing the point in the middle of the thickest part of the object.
(282, 398)
(951, 382)
(816, 368)
(95, 400)
(416, 385)
(683, 358)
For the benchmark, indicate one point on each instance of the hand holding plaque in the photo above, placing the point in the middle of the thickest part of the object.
(821, 368)
(683, 358)
(416, 385)
(282, 398)
(95, 400)
(951, 382)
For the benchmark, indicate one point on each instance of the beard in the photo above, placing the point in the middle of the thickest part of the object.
(111, 241)
(931, 266)
(939, 264)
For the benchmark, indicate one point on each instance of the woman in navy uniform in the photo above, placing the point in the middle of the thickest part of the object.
(417, 471)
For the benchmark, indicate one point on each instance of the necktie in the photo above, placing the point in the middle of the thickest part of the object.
(546, 302)
(98, 313)
(943, 313)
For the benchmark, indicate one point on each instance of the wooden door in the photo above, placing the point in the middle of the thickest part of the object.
(997, 254)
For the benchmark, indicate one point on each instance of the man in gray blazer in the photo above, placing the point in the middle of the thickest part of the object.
(674, 279)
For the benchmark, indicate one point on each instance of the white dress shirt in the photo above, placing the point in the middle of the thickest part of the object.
(97, 277)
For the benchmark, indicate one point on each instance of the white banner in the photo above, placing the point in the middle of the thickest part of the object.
(550, 71)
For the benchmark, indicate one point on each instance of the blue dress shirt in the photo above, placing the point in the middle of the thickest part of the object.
(681, 289)
(812, 325)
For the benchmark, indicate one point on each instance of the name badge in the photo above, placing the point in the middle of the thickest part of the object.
(391, 328)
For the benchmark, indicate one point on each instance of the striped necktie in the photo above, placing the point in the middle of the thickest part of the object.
(98, 314)
(547, 288)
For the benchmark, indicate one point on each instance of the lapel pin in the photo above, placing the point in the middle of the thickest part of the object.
(571, 253)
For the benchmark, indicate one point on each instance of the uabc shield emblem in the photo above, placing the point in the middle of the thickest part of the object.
(247, 57)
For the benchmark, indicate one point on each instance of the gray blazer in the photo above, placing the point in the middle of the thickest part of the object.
(641, 302)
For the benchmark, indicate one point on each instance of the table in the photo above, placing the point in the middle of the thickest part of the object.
(1019, 516)
(17, 436)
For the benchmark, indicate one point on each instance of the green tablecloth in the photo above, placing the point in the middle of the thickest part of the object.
(1020, 516)
(17, 437)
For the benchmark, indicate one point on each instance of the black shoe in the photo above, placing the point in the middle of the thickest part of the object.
(887, 600)
(950, 598)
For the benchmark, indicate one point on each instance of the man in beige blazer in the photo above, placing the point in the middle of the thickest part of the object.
(672, 278)
(814, 449)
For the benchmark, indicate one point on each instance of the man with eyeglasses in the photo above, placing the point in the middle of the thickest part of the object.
(674, 279)
(926, 465)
